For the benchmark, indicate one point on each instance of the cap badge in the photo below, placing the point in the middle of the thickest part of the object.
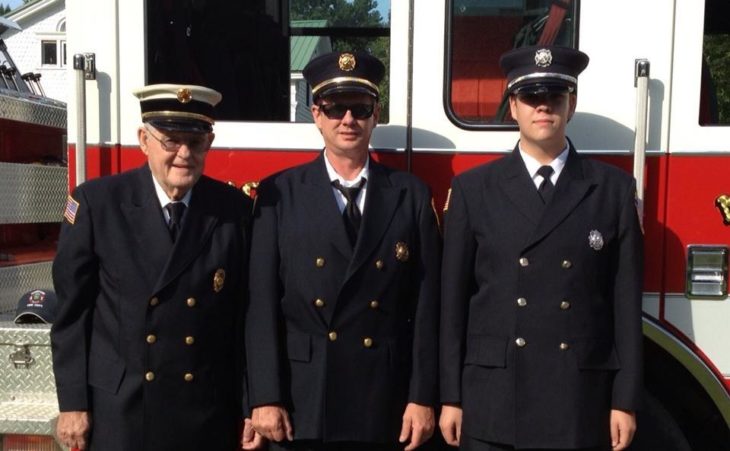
(347, 62)
(184, 95)
(218, 279)
(595, 240)
(401, 251)
(543, 58)
(36, 297)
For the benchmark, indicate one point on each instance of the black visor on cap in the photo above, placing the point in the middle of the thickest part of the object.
(346, 88)
(543, 88)
(177, 124)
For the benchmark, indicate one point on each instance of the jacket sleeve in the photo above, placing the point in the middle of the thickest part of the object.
(264, 312)
(627, 291)
(424, 374)
(457, 283)
(76, 282)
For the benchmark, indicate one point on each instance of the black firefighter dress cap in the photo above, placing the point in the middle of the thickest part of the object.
(36, 306)
(182, 108)
(542, 69)
(339, 72)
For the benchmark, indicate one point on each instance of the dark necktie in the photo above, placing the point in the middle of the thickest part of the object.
(176, 211)
(351, 215)
(546, 187)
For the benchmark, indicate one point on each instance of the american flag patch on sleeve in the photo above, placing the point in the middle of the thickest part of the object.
(71, 208)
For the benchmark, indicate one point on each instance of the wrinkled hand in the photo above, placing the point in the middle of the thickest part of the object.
(272, 422)
(418, 425)
(623, 428)
(73, 428)
(450, 424)
(250, 439)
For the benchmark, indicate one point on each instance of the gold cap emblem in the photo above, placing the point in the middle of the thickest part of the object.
(401, 251)
(218, 279)
(347, 62)
(184, 95)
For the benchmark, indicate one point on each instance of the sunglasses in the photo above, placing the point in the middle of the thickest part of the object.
(338, 110)
(549, 98)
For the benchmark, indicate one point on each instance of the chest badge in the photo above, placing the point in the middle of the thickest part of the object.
(219, 279)
(595, 240)
(401, 251)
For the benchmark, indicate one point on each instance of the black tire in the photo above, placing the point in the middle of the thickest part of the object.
(657, 429)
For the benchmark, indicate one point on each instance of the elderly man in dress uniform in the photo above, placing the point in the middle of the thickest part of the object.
(343, 320)
(150, 277)
(541, 314)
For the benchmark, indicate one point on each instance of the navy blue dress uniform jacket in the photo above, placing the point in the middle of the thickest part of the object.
(147, 337)
(343, 338)
(541, 331)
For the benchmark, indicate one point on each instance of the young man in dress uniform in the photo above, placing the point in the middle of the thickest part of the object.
(344, 274)
(542, 279)
(150, 277)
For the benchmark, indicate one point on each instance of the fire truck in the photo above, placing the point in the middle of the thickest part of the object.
(654, 100)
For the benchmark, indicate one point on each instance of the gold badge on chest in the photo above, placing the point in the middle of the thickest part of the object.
(401, 251)
(219, 279)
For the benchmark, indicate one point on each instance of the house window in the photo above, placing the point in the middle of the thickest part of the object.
(53, 52)
(49, 53)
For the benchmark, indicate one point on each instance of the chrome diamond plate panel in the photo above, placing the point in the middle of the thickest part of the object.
(32, 109)
(28, 402)
(16, 280)
(32, 193)
(37, 376)
(28, 415)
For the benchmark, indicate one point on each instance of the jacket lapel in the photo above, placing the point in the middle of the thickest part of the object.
(199, 222)
(318, 197)
(147, 224)
(520, 189)
(380, 204)
(571, 189)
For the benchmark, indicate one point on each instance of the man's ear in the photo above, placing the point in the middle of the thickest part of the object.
(142, 138)
(572, 103)
(512, 105)
(376, 114)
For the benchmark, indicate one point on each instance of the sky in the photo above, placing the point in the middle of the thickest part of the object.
(12, 3)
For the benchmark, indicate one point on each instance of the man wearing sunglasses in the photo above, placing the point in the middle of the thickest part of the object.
(150, 277)
(542, 281)
(344, 278)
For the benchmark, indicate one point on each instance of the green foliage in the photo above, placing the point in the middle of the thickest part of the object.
(351, 14)
(4, 9)
(717, 57)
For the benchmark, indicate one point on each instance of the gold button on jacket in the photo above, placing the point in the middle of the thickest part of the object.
(191, 302)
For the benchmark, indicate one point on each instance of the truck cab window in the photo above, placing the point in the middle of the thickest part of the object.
(715, 89)
(479, 31)
(253, 52)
